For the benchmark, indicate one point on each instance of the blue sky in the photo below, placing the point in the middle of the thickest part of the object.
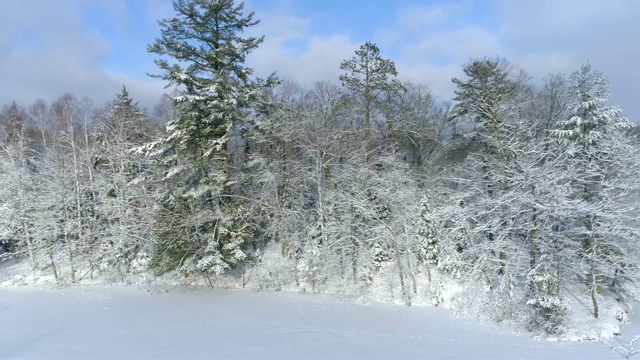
(92, 47)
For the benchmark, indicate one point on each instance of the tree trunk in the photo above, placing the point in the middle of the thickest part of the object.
(354, 254)
(406, 294)
(594, 290)
(53, 267)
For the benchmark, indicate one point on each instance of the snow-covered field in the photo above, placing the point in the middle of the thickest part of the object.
(197, 323)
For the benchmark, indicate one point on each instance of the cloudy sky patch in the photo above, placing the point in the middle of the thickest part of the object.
(92, 48)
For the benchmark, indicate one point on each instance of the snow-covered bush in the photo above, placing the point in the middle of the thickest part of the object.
(272, 271)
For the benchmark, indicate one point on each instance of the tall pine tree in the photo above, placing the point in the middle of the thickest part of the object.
(369, 76)
(199, 226)
(600, 167)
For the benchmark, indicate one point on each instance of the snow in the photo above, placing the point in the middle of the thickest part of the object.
(120, 322)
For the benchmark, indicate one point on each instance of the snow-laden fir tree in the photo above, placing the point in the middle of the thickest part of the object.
(17, 170)
(485, 238)
(487, 97)
(12, 124)
(427, 242)
(123, 205)
(202, 52)
(591, 119)
(600, 169)
(14, 162)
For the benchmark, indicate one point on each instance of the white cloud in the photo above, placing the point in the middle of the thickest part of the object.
(560, 36)
(424, 55)
(454, 46)
(542, 65)
(431, 43)
(47, 47)
(294, 53)
(420, 18)
(542, 37)
(436, 77)
(319, 61)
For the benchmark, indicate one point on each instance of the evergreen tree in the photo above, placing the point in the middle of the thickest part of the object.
(428, 241)
(369, 76)
(485, 230)
(12, 124)
(122, 205)
(485, 96)
(600, 167)
(590, 119)
(17, 177)
(125, 123)
(207, 56)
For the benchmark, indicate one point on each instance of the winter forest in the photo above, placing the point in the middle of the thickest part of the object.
(516, 200)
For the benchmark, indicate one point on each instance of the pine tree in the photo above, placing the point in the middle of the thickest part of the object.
(369, 76)
(12, 124)
(599, 168)
(207, 54)
(487, 96)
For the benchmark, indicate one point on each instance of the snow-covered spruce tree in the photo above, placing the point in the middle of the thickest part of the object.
(591, 120)
(427, 249)
(483, 235)
(487, 97)
(123, 203)
(17, 177)
(13, 124)
(601, 171)
(206, 55)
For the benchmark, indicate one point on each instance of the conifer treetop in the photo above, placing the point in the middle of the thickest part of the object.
(205, 40)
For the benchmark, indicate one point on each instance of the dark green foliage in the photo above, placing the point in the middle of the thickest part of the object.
(206, 55)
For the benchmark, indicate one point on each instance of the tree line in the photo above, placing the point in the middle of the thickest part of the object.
(512, 196)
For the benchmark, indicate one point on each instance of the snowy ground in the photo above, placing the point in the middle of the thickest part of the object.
(183, 323)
